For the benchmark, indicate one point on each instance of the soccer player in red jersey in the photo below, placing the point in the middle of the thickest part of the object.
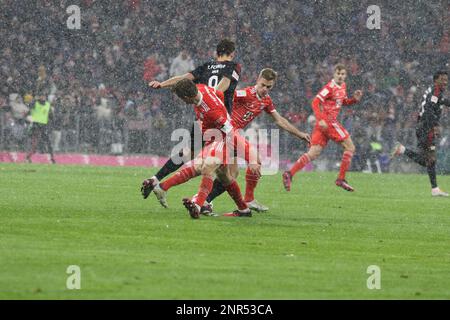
(326, 106)
(248, 104)
(210, 109)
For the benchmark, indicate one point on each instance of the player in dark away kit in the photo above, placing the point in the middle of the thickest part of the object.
(428, 129)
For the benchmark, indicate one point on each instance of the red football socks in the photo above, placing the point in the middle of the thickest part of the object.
(300, 164)
(204, 190)
(178, 178)
(251, 180)
(345, 164)
(235, 193)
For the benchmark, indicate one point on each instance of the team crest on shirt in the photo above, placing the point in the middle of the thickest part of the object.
(324, 92)
(241, 93)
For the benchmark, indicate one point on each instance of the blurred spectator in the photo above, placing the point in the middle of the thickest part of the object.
(182, 64)
(121, 47)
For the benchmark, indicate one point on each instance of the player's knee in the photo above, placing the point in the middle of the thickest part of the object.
(208, 170)
(227, 179)
(223, 177)
(209, 166)
(234, 172)
(350, 148)
(431, 161)
(313, 154)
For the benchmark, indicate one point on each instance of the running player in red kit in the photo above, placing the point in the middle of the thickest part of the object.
(326, 106)
(210, 110)
(248, 104)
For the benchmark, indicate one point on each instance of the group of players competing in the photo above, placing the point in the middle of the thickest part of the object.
(221, 111)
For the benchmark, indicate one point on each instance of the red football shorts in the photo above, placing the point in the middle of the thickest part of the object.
(230, 147)
(335, 132)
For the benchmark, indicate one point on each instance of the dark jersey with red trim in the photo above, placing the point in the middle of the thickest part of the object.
(213, 71)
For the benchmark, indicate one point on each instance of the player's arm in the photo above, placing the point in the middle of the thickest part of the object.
(317, 109)
(323, 95)
(224, 84)
(318, 112)
(230, 72)
(170, 82)
(357, 95)
(283, 123)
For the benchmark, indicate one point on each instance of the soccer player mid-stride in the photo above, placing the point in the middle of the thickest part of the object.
(213, 159)
(428, 129)
(326, 106)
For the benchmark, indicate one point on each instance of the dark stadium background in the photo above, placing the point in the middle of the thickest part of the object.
(98, 74)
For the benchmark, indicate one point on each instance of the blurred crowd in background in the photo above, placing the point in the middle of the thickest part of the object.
(96, 77)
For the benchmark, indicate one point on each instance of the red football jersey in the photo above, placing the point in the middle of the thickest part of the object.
(211, 110)
(247, 105)
(332, 98)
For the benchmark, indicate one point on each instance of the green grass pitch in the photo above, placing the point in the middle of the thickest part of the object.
(316, 242)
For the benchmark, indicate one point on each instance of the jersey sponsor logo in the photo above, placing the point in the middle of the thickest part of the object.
(434, 99)
(247, 116)
(216, 66)
(241, 93)
(324, 92)
(235, 75)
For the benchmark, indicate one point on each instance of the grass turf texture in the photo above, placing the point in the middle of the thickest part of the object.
(315, 242)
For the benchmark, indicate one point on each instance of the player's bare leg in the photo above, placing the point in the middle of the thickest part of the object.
(312, 154)
(349, 150)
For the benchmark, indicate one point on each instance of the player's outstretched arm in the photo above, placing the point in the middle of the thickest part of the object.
(357, 95)
(170, 82)
(284, 124)
(224, 84)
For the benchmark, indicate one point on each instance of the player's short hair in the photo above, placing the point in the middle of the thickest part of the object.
(339, 67)
(185, 88)
(225, 47)
(439, 73)
(268, 74)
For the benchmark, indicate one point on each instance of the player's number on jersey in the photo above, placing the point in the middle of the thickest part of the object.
(247, 115)
(213, 81)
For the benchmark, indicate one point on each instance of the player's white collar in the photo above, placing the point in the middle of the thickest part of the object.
(257, 95)
(201, 99)
(334, 83)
